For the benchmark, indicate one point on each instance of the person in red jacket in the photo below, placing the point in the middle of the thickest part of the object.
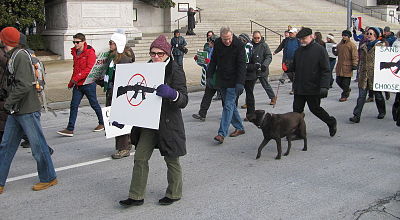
(84, 58)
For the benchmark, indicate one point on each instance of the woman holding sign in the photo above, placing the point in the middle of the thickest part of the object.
(169, 139)
(118, 54)
(366, 76)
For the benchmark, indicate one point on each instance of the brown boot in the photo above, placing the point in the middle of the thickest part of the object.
(343, 99)
(237, 133)
(1, 189)
(273, 101)
(98, 128)
(121, 154)
(42, 186)
(243, 106)
(66, 132)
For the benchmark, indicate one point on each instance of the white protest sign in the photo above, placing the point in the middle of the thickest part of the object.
(99, 68)
(113, 131)
(134, 100)
(387, 69)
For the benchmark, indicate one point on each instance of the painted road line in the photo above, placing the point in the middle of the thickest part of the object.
(62, 168)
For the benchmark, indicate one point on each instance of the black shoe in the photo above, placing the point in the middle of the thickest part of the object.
(167, 201)
(197, 116)
(51, 151)
(333, 128)
(25, 144)
(355, 119)
(381, 115)
(387, 95)
(131, 202)
(282, 81)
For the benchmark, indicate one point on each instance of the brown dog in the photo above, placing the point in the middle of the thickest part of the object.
(277, 126)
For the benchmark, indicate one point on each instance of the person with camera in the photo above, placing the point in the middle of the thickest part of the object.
(178, 47)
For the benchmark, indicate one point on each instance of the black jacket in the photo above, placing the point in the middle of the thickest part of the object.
(228, 64)
(311, 67)
(261, 54)
(172, 139)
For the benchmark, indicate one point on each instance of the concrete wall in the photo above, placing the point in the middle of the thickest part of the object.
(156, 20)
(97, 19)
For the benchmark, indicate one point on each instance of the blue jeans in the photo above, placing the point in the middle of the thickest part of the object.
(379, 100)
(16, 126)
(89, 91)
(230, 113)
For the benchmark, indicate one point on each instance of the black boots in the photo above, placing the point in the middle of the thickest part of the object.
(131, 202)
(167, 201)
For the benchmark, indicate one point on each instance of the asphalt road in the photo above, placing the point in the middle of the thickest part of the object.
(354, 175)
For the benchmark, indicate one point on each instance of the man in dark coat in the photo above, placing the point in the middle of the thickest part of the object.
(227, 71)
(311, 67)
(191, 21)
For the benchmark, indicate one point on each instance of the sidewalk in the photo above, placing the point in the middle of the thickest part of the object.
(59, 74)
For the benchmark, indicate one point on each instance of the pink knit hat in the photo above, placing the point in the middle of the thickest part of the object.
(162, 43)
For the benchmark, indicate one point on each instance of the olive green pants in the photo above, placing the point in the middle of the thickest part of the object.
(147, 142)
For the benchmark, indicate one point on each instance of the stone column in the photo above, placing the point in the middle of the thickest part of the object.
(97, 19)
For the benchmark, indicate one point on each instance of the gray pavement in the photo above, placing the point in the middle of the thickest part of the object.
(354, 175)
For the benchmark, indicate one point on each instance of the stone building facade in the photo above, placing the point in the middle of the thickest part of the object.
(99, 19)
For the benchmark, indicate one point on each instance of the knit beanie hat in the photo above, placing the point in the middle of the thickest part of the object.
(161, 43)
(10, 36)
(376, 30)
(120, 41)
(330, 36)
(346, 33)
(244, 37)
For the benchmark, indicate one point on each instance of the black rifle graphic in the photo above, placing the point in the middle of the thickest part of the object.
(137, 87)
(388, 65)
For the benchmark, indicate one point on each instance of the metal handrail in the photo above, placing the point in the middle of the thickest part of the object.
(265, 30)
(362, 8)
(199, 9)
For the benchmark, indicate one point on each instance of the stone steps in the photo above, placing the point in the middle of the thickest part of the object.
(320, 15)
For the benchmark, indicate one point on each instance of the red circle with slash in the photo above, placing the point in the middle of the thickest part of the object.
(135, 79)
(391, 68)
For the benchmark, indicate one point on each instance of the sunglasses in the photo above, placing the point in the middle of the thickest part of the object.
(256, 38)
(111, 42)
(76, 42)
(370, 33)
(159, 54)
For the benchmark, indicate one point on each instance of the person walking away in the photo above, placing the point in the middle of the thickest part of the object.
(119, 54)
(311, 65)
(191, 21)
(169, 139)
(209, 91)
(178, 47)
(84, 59)
(227, 71)
(347, 62)
(331, 48)
(366, 77)
(23, 106)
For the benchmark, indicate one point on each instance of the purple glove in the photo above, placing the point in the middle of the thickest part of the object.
(167, 92)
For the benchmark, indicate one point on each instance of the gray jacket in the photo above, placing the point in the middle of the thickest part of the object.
(177, 45)
(262, 54)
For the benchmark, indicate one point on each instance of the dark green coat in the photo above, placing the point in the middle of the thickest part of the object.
(172, 139)
(23, 97)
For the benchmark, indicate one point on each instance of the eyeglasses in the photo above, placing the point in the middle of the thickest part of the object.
(76, 42)
(256, 38)
(370, 33)
(159, 54)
